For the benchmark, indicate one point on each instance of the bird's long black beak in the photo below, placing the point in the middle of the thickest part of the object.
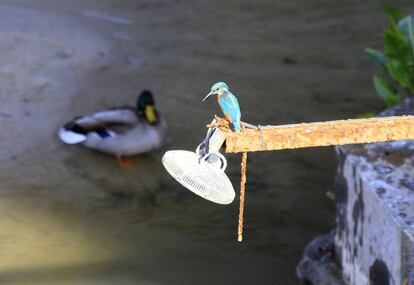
(208, 95)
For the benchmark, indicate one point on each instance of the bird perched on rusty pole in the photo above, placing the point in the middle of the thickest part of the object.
(231, 109)
(228, 103)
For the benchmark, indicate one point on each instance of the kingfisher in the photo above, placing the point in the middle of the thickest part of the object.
(228, 103)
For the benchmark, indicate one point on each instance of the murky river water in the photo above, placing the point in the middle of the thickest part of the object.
(70, 216)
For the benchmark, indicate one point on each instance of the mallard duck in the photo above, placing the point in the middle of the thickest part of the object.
(119, 131)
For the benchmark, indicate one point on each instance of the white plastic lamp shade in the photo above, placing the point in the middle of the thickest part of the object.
(204, 177)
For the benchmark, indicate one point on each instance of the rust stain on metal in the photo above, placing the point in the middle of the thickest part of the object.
(340, 132)
(242, 190)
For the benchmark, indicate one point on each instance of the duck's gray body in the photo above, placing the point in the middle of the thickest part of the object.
(119, 132)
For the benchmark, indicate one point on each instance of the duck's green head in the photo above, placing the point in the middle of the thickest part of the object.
(145, 106)
(217, 88)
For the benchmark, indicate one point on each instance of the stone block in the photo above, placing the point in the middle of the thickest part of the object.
(374, 236)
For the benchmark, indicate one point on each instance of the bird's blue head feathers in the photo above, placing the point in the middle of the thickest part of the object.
(218, 86)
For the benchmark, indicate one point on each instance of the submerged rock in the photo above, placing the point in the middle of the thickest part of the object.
(318, 265)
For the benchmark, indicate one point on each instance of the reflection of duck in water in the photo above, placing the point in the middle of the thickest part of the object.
(120, 131)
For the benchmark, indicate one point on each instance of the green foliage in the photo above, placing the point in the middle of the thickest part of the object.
(378, 58)
(392, 12)
(386, 91)
(405, 25)
(365, 115)
(397, 60)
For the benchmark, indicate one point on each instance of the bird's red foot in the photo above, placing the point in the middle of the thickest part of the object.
(220, 123)
(125, 163)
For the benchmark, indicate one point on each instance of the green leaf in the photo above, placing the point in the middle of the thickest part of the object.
(386, 91)
(395, 44)
(365, 115)
(406, 26)
(392, 12)
(400, 63)
(330, 195)
(378, 58)
(400, 73)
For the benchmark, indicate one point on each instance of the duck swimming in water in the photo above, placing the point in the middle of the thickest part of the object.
(120, 131)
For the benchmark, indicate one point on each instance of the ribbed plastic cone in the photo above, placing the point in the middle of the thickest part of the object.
(207, 182)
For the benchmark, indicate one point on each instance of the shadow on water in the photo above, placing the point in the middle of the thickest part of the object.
(83, 272)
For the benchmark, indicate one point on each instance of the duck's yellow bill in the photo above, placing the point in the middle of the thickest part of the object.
(150, 114)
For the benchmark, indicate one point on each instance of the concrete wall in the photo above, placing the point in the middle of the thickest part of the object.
(375, 211)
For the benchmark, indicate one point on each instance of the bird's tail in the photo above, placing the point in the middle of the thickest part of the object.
(236, 125)
(72, 133)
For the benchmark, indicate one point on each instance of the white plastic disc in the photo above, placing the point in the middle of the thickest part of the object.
(211, 184)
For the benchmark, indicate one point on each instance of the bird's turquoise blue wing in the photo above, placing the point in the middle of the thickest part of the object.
(231, 108)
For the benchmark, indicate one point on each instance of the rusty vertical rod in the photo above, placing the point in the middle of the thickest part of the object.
(242, 190)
